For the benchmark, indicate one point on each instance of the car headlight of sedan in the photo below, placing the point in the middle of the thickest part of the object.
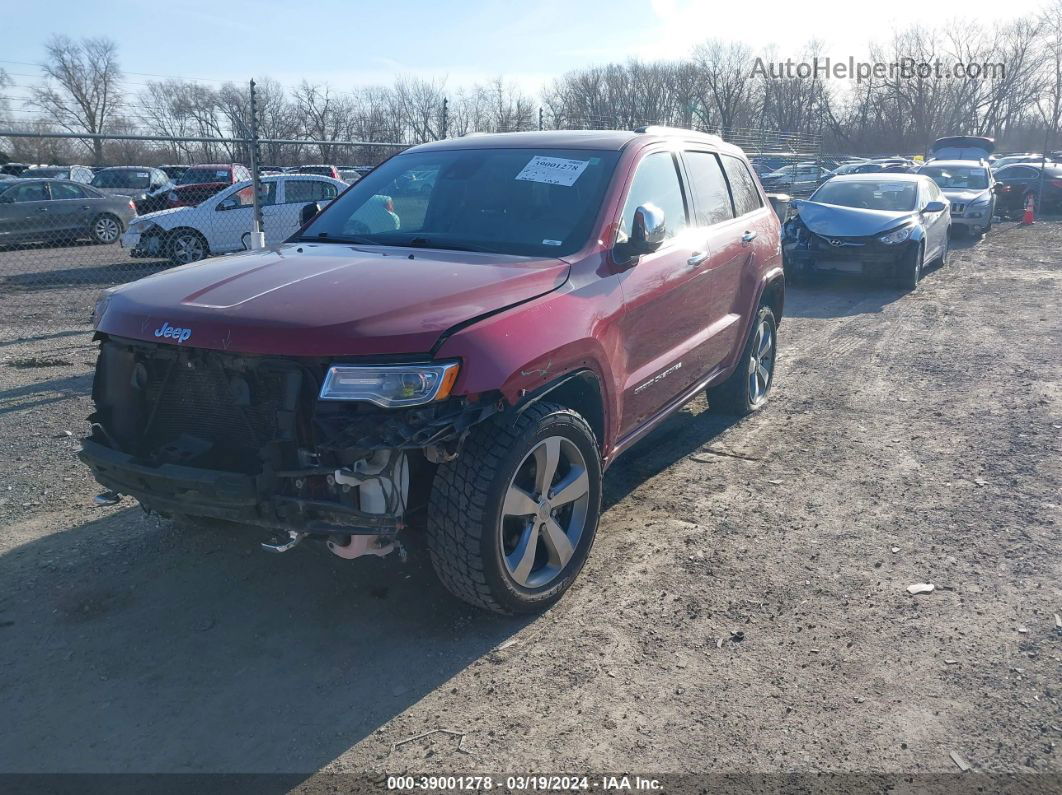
(897, 235)
(391, 385)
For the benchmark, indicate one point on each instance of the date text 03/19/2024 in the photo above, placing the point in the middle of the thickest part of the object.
(522, 783)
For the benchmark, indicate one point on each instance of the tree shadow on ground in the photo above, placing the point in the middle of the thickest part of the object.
(107, 274)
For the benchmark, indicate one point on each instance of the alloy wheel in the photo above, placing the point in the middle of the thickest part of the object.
(106, 229)
(544, 512)
(187, 248)
(761, 363)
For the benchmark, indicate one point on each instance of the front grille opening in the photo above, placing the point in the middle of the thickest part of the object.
(203, 408)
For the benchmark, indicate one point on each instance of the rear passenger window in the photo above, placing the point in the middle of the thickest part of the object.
(656, 182)
(708, 187)
(742, 186)
(62, 190)
(306, 190)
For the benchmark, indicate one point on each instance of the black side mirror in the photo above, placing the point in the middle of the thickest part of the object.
(935, 207)
(309, 212)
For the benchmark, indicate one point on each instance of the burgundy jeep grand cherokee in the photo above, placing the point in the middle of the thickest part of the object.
(469, 357)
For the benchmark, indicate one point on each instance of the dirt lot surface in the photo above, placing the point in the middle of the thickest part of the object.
(745, 607)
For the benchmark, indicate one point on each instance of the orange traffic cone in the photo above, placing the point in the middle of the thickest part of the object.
(1030, 216)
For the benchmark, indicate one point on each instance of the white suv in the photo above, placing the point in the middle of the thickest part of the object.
(968, 185)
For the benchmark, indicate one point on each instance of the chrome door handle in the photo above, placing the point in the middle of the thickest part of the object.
(747, 238)
(697, 259)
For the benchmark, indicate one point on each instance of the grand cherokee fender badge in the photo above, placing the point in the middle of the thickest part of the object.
(172, 332)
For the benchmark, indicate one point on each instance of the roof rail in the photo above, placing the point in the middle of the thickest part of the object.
(660, 129)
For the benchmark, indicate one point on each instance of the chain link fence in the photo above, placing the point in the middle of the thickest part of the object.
(68, 232)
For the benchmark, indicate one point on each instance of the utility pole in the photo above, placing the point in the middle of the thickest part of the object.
(445, 116)
(540, 119)
(1043, 167)
(257, 233)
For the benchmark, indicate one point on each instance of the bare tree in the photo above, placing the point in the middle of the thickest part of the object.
(81, 90)
(5, 105)
(325, 115)
(1049, 103)
(727, 84)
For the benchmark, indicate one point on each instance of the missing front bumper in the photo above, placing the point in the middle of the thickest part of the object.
(231, 496)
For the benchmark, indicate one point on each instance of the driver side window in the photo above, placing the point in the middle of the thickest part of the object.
(656, 182)
(33, 192)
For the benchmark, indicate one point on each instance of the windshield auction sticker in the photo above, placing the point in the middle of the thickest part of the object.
(553, 170)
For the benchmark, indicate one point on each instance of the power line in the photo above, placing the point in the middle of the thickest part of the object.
(139, 74)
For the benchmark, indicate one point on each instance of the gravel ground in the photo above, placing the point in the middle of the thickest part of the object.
(745, 607)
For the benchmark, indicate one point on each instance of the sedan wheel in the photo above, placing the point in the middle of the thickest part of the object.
(106, 229)
(187, 247)
(909, 268)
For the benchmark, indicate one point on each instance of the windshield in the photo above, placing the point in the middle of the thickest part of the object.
(122, 178)
(45, 172)
(958, 177)
(196, 176)
(869, 194)
(324, 171)
(531, 202)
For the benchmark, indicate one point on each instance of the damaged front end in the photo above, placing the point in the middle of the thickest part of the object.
(205, 433)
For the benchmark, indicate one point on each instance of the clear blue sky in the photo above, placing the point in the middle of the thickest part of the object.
(358, 43)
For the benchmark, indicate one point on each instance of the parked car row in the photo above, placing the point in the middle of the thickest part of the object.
(147, 191)
(56, 210)
(802, 178)
(222, 223)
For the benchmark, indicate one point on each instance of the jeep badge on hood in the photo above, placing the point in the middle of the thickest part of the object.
(179, 334)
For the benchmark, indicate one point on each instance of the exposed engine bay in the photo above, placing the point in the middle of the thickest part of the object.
(189, 431)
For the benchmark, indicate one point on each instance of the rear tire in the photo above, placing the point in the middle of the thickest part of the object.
(749, 385)
(495, 511)
(106, 229)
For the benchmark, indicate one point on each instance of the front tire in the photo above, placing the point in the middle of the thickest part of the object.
(748, 386)
(511, 521)
(909, 269)
(187, 245)
(942, 259)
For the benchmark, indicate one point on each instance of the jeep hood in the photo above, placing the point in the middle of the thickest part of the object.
(308, 299)
(835, 220)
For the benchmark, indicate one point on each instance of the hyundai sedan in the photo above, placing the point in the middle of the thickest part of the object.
(888, 225)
